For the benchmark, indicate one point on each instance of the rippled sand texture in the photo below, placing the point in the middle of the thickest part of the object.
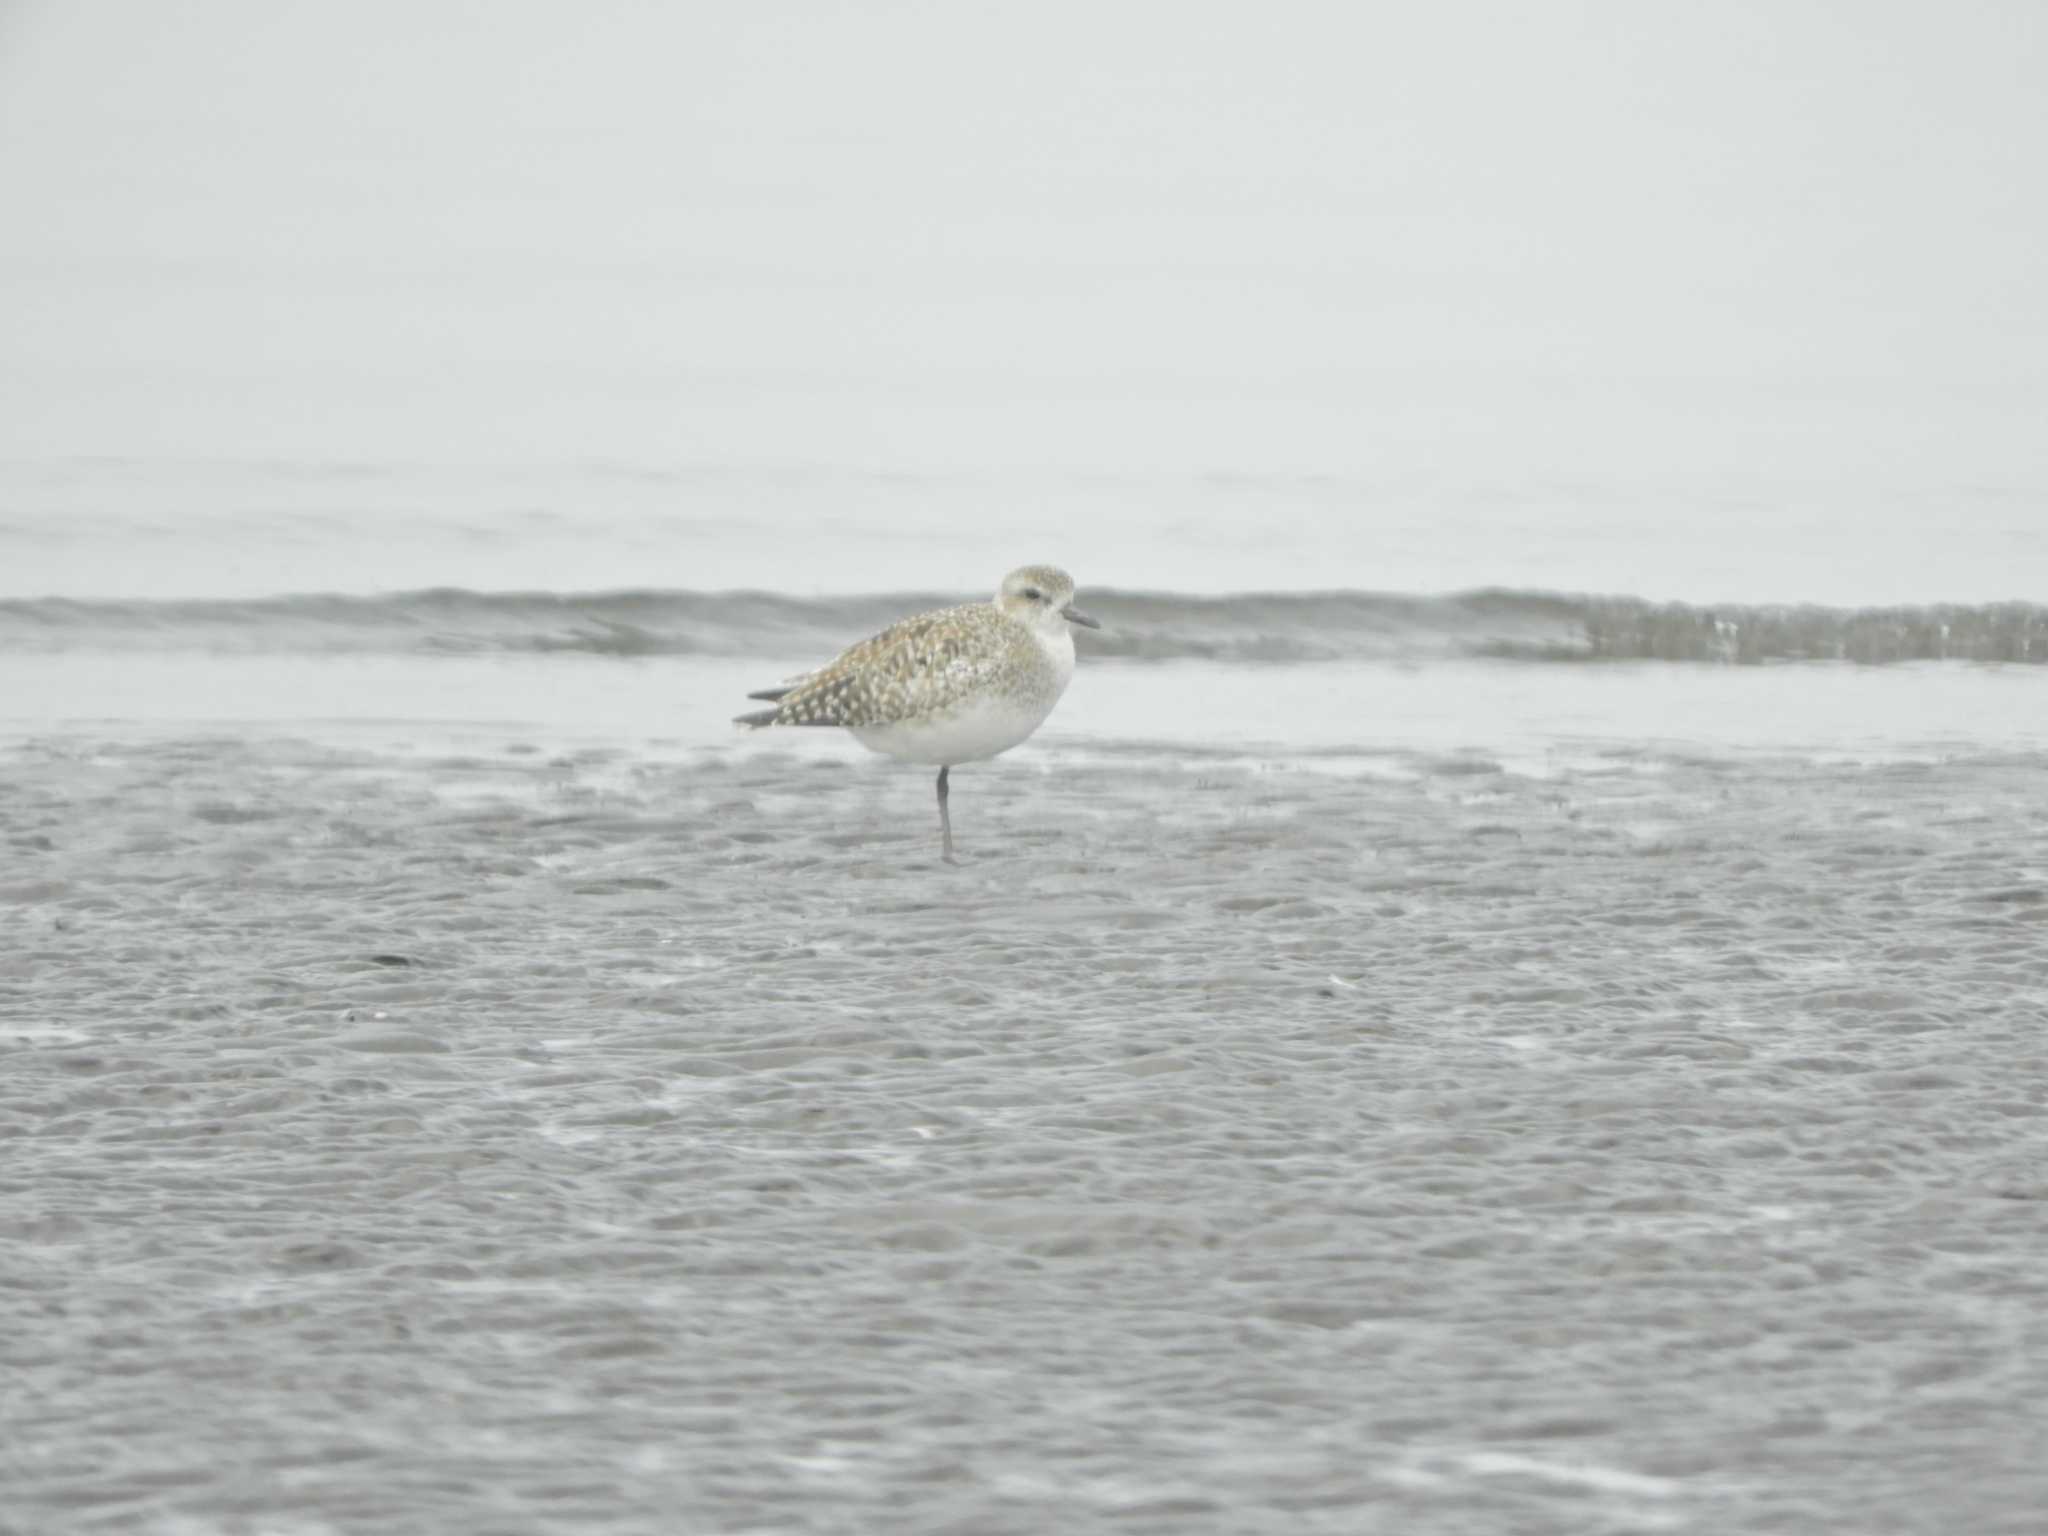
(597, 1144)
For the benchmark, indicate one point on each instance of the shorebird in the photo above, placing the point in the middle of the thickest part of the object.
(948, 687)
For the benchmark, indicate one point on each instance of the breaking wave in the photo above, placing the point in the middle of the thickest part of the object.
(1272, 628)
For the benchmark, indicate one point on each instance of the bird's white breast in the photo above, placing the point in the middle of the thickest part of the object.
(1059, 654)
(985, 722)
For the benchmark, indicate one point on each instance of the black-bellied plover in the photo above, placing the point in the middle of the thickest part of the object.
(954, 686)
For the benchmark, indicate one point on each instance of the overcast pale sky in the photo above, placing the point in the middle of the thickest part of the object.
(1797, 244)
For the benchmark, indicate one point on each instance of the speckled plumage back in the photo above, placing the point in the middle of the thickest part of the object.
(923, 667)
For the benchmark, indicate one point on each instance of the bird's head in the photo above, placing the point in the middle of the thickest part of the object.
(1043, 597)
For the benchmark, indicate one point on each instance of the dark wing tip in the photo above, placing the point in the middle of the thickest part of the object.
(772, 694)
(757, 719)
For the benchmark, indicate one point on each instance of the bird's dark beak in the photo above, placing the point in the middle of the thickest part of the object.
(1074, 615)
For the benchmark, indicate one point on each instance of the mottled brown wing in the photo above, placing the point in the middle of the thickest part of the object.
(896, 675)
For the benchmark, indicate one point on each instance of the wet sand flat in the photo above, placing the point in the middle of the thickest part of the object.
(585, 1140)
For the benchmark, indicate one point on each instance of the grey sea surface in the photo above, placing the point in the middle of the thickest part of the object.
(1507, 1000)
(421, 1128)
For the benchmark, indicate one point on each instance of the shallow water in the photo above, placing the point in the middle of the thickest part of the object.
(543, 1137)
(1299, 713)
(449, 1085)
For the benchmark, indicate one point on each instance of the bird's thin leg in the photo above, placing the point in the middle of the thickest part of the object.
(945, 818)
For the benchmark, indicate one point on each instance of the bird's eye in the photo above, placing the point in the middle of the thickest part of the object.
(1034, 594)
